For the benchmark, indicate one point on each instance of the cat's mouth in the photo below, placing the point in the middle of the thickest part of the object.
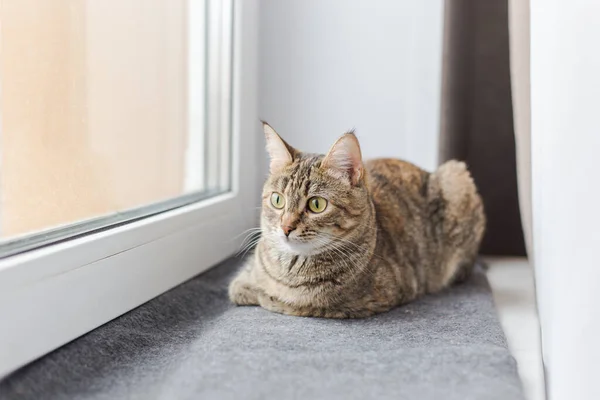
(303, 247)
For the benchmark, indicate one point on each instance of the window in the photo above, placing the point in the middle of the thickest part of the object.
(122, 172)
(106, 108)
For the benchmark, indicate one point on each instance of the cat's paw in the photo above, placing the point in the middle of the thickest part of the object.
(242, 293)
(270, 303)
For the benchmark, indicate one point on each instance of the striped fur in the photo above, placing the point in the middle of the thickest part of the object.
(391, 232)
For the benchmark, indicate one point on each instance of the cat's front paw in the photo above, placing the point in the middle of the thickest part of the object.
(270, 303)
(242, 293)
(273, 304)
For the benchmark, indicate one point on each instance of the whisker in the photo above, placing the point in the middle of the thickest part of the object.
(357, 247)
(252, 237)
(248, 249)
(245, 247)
(255, 229)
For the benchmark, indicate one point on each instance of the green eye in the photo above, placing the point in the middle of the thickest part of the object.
(317, 204)
(277, 200)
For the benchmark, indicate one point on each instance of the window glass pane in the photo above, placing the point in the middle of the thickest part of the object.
(105, 107)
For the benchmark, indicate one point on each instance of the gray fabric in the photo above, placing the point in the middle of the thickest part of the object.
(190, 343)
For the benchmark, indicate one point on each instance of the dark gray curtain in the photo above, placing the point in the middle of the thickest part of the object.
(477, 120)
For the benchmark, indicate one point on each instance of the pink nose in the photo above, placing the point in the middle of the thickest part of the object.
(287, 229)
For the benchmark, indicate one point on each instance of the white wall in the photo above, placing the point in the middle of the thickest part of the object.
(331, 65)
(565, 93)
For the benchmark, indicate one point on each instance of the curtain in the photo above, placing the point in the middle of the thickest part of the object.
(556, 86)
(521, 102)
(477, 120)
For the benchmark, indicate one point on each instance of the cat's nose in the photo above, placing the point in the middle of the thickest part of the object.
(287, 229)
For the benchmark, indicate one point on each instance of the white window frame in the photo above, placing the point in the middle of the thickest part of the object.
(55, 294)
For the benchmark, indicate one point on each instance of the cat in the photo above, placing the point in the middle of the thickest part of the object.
(345, 239)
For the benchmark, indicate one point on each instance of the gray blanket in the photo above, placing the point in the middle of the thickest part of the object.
(190, 343)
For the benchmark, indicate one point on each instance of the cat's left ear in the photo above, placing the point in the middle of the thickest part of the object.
(345, 157)
(281, 153)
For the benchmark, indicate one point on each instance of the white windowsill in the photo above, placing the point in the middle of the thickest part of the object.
(513, 288)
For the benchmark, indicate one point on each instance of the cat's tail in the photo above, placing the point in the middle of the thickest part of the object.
(457, 212)
(463, 217)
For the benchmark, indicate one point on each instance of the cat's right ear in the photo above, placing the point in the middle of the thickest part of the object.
(345, 158)
(281, 153)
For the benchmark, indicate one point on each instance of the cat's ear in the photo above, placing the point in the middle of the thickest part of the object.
(345, 158)
(281, 153)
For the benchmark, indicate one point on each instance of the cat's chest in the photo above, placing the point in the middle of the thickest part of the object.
(297, 279)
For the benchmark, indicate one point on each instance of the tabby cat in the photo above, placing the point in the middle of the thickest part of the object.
(343, 239)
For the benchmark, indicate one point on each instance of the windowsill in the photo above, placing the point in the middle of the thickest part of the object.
(513, 288)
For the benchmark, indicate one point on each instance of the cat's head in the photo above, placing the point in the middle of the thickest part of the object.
(311, 201)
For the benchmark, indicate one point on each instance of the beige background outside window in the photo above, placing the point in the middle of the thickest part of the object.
(93, 108)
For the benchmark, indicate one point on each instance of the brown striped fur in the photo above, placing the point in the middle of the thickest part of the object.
(391, 232)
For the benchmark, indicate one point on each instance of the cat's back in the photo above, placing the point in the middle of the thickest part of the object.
(398, 190)
(389, 176)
